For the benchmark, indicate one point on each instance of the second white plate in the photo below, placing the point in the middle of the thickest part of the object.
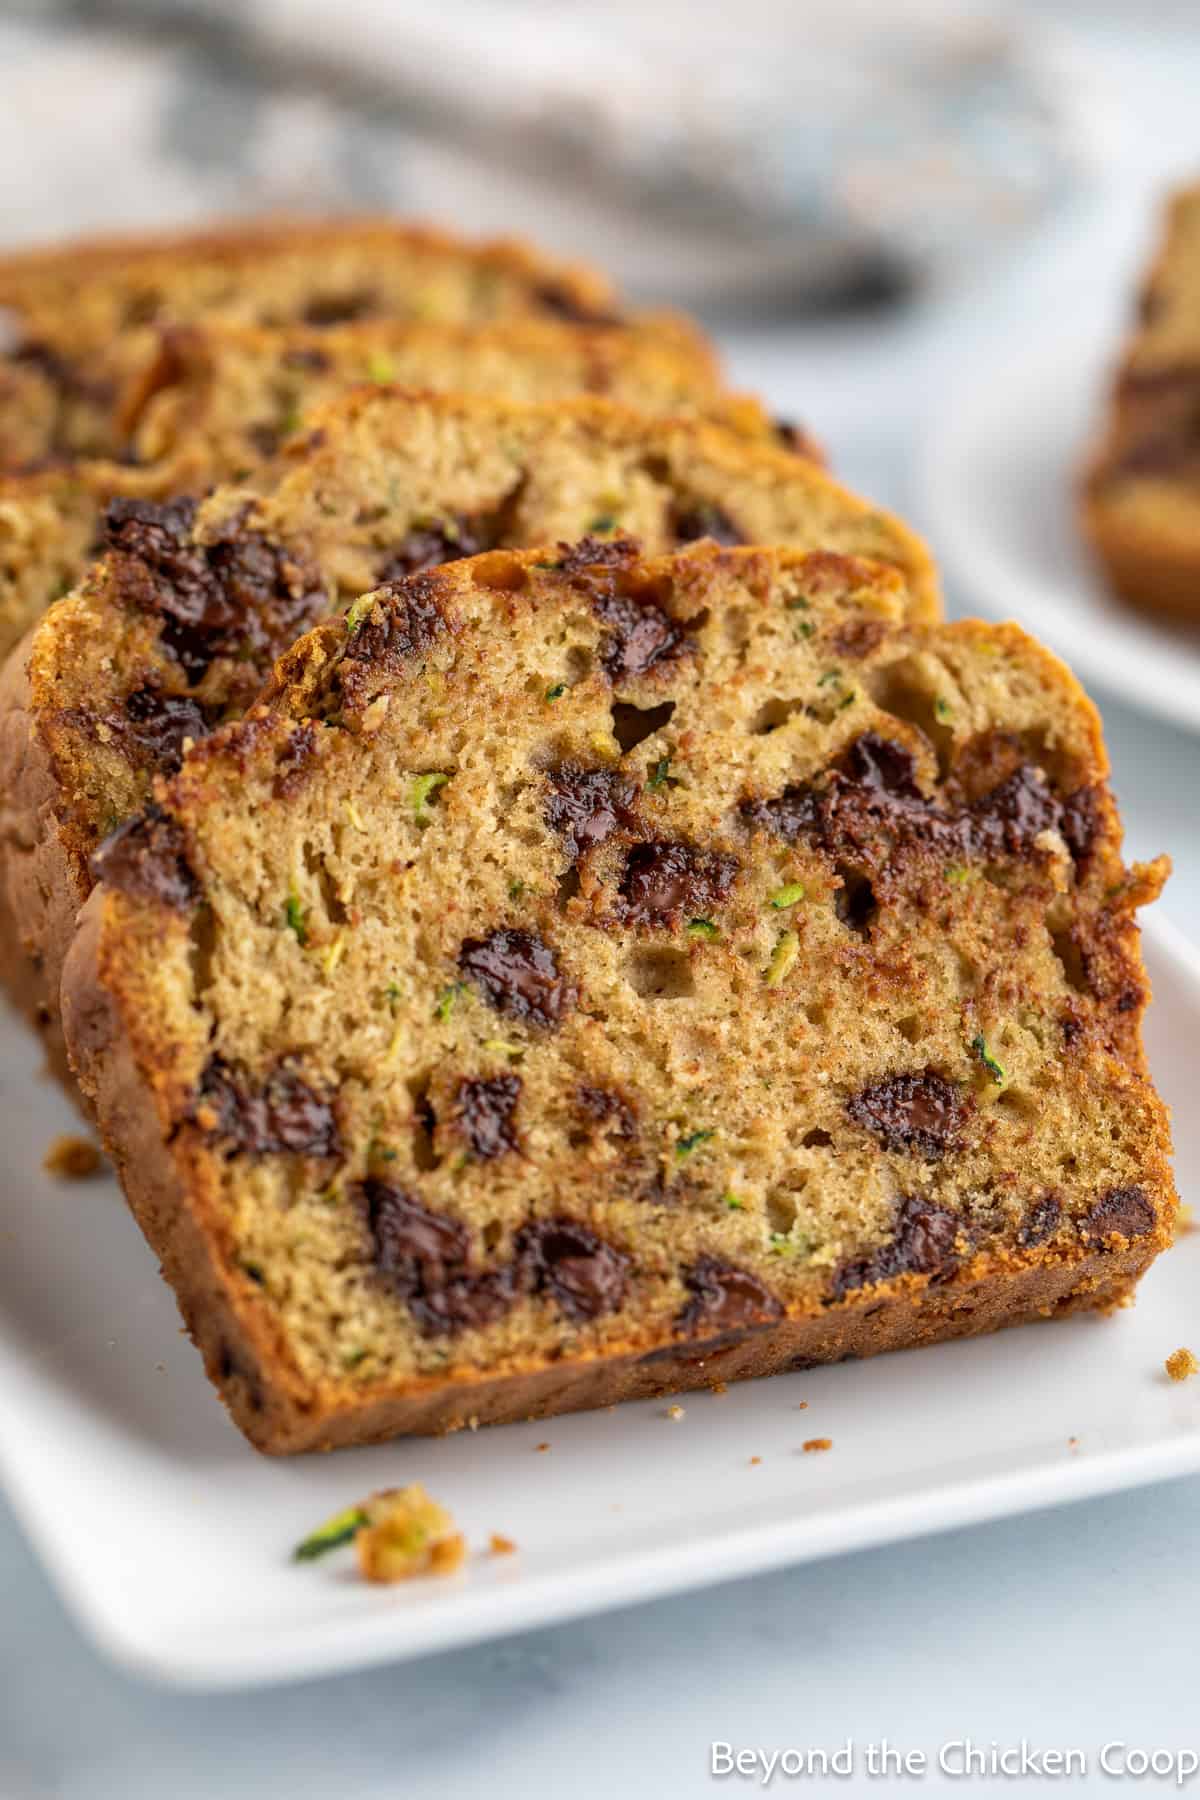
(997, 500)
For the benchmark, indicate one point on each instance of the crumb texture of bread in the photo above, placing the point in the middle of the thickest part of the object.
(1140, 495)
(175, 628)
(588, 976)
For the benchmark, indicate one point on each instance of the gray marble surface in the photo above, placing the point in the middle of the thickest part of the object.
(1068, 1628)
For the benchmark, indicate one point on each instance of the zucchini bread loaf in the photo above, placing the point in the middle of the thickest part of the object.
(587, 977)
(1141, 490)
(217, 401)
(86, 312)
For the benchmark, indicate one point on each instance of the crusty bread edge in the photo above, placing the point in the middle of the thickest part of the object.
(41, 882)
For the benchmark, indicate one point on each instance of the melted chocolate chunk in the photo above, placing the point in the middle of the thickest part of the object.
(596, 553)
(662, 880)
(340, 309)
(440, 541)
(1082, 815)
(1042, 1220)
(239, 597)
(283, 1116)
(517, 973)
(586, 806)
(725, 1298)
(880, 763)
(146, 858)
(1012, 816)
(403, 624)
(923, 1113)
(794, 437)
(607, 1110)
(1123, 1209)
(295, 761)
(421, 1251)
(155, 725)
(426, 1259)
(702, 519)
(486, 1109)
(558, 301)
(639, 635)
(871, 806)
(578, 1270)
(924, 1243)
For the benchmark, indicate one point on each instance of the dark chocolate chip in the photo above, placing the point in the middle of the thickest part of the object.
(559, 301)
(1121, 1209)
(146, 858)
(585, 806)
(872, 805)
(155, 725)
(596, 553)
(419, 1250)
(725, 1298)
(702, 519)
(1041, 1221)
(921, 1112)
(1082, 815)
(426, 1259)
(440, 541)
(609, 1111)
(639, 636)
(295, 761)
(486, 1109)
(240, 596)
(281, 1116)
(925, 1242)
(402, 625)
(518, 973)
(794, 437)
(662, 880)
(340, 309)
(578, 1270)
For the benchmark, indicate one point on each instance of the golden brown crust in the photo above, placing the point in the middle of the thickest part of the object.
(42, 883)
(851, 983)
(38, 277)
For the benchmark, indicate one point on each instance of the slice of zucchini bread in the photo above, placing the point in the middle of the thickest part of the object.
(587, 977)
(217, 401)
(237, 391)
(174, 630)
(1140, 499)
(86, 312)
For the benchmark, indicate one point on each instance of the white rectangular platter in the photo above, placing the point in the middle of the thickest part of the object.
(169, 1538)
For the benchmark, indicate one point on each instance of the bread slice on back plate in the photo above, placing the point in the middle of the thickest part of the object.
(176, 627)
(1140, 495)
(587, 977)
(216, 402)
(87, 312)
